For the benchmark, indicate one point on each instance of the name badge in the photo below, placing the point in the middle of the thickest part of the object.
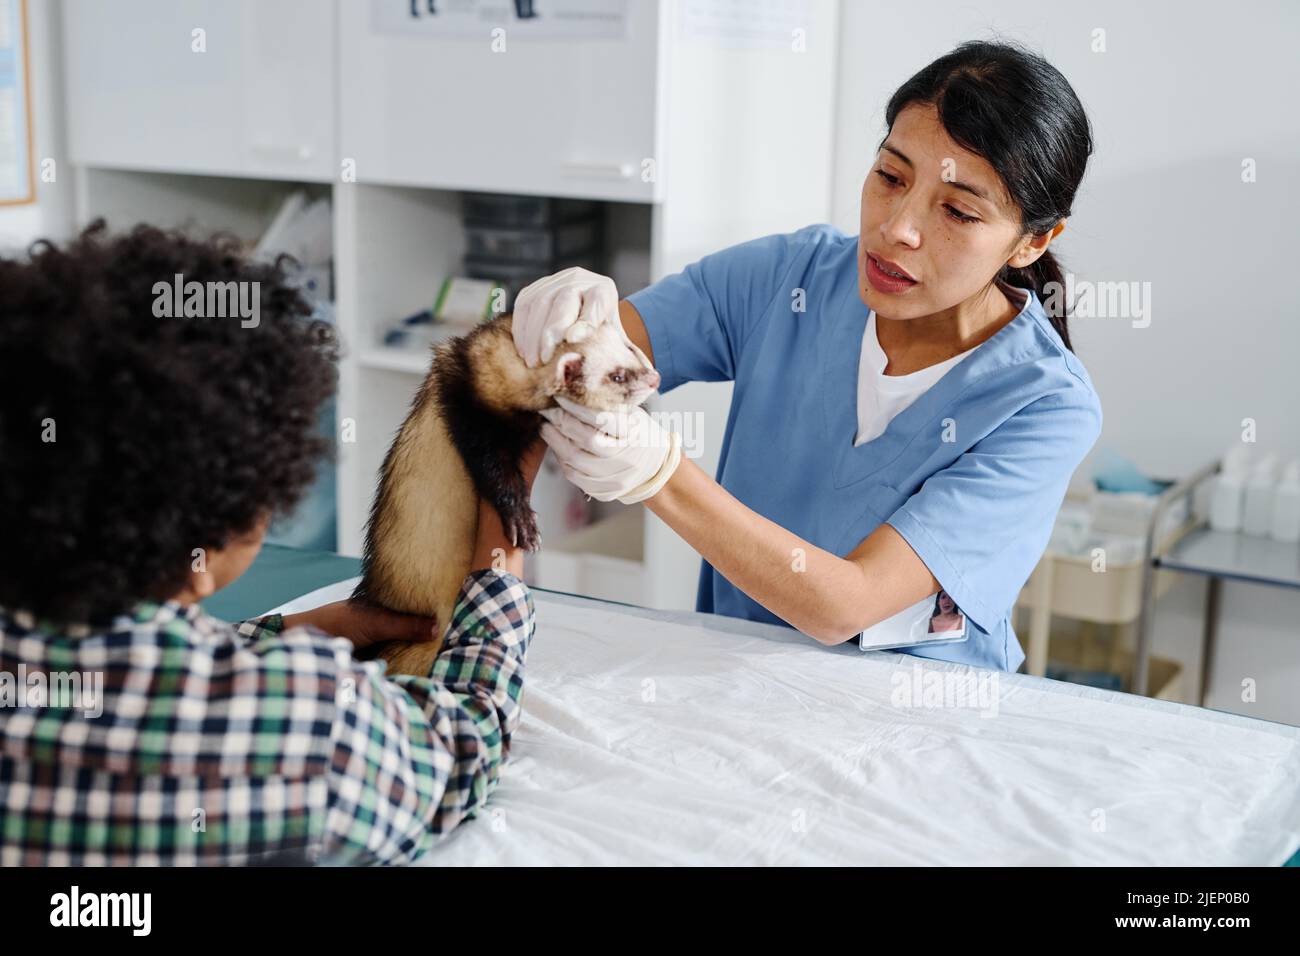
(934, 620)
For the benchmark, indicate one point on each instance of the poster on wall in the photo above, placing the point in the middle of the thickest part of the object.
(17, 174)
(589, 19)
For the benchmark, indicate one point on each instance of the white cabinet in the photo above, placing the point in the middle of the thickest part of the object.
(228, 87)
(544, 115)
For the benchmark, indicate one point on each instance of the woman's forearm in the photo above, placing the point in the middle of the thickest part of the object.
(806, 586)
(492, 549)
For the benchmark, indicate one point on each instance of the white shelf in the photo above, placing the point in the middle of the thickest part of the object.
(412, 360)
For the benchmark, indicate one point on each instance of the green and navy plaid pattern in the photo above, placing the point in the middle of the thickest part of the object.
(235, 744)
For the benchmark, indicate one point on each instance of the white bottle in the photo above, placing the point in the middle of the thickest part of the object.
(1257, 512)
(1228, 496)
(1286, 505)
(1237, 459)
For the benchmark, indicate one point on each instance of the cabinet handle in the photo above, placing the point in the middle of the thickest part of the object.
(600, 170)
(301, 153)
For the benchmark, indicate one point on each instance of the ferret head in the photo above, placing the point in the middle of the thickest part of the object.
(600, 368)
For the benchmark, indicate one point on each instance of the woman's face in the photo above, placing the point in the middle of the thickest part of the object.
(940, 214)
(945, 603)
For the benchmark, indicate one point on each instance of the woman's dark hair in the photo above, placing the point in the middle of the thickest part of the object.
(130, 435)
(1013, 108)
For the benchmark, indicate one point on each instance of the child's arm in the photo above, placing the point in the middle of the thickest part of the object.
(257, 628)
(492, 548)
(416, 755)
(360, 623)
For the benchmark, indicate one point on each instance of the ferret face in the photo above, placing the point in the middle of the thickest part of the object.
(602, 369)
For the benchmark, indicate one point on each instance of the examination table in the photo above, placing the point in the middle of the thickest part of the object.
(655, 737)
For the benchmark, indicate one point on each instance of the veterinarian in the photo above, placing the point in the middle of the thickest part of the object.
(907, 410)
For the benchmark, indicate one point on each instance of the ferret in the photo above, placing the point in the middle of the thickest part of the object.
(471, 421)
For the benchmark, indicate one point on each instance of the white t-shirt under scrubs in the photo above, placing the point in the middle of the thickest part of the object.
(881, 396)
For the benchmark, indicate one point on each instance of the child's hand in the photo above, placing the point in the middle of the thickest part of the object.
(366, 624)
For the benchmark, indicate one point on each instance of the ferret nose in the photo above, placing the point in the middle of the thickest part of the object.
(652, 379)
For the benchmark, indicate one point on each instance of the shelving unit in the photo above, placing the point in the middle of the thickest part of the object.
(663, 125)
(1218, 556)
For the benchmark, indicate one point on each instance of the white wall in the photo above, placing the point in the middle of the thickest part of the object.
(51, 215)
(1183, 93)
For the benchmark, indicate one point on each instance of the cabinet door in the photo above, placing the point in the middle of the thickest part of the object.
(501, 105)
(227, 87)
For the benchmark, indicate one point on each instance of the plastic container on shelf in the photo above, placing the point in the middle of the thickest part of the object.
(1226, 501)
(1129, 513)
(1103, 583)
(1228, 489)
(517, 244)
(513, 276)
(1257, 509)
(1286, 505)
(1097, 566)
(502, 209)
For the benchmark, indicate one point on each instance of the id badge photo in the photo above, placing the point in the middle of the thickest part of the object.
(934, 620)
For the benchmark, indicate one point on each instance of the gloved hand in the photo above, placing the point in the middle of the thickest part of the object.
(623, 455)
(546, 309)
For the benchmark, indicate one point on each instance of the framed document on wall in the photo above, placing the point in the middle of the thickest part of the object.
(17, 169)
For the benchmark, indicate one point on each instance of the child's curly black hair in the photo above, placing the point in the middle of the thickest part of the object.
(127, 440)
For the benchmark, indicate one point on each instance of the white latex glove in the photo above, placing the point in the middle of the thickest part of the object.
(623, 455)
(545, 310)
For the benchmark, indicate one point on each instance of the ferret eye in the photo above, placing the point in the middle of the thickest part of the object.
(618, 377)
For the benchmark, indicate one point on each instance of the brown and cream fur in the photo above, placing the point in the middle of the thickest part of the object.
(469, 425)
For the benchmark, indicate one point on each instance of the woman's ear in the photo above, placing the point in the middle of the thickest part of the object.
(1033, 247)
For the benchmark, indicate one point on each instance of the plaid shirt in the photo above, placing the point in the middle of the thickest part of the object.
(213, 743)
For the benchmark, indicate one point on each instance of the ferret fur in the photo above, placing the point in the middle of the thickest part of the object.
(469, 425)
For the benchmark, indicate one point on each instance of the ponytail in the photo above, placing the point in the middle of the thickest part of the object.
(1042, 274)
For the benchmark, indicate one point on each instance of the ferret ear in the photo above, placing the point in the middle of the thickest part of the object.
(568, 369)
(641, 356)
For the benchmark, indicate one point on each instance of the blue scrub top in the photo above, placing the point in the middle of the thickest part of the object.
(972, 474)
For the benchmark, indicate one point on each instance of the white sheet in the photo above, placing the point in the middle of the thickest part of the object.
(677, 738)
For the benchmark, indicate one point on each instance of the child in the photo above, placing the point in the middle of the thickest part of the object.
(146, 441)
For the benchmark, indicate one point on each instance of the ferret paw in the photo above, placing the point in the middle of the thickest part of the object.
(523, 532)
